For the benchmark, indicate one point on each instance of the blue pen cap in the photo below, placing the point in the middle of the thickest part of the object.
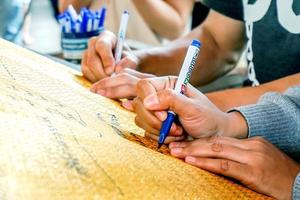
(196, 43)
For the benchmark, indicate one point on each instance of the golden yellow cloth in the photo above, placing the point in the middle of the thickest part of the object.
(60, 141)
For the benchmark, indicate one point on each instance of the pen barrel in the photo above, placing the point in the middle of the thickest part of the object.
(166, 126)
(187, 67)
(180, 87)
(121, 36)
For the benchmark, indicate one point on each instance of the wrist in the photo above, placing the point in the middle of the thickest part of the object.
(235, 125)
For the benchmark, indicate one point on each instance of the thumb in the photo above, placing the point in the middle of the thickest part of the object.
(167, 99)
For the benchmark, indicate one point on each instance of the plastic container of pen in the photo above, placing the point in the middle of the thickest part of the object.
(74, 44)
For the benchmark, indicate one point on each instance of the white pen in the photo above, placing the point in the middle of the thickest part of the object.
(72, 13)
(121, 36)
(77, 26)
(89, 27)
(96, 24)
(68, 26)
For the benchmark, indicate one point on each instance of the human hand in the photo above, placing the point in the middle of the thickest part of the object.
(197, 115)
(122, 85)
(254, 162)
(98, 60)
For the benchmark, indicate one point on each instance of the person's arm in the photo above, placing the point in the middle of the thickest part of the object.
(231, 98)
(254, 162)
(276, 117)
(166, 18)
(222, 39)
(77, 4)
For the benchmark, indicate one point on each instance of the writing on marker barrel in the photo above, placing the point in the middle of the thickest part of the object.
(180, 87)
(121, 36)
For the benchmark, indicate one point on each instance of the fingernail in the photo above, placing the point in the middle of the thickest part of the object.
(161, 115)
(151, 100)
(93, 89)
(190, 159)
(176, 151)
(127, 104)
(101, 92)
(108, 71)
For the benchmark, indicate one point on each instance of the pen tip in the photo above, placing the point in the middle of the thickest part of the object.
(159, 145)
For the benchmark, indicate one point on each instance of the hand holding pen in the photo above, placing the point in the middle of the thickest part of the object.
(121, 37)
(100, 61)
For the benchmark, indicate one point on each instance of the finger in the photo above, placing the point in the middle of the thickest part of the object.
(168, 140)
(178, 145)
(224, 167)
(177, 134)
(145, 116)
(93, 61)
(140, 123)
(127, 104)
(119, 92)
(116, 81)
(104, 47)
(136, 73)
(161, 115)
(167, 99)
(144, 88)
(129, 61)
(193, 92)
(242, 144)
(215, 150)
(163, 82)
(85, 70)
(168, 82)
(146, 119)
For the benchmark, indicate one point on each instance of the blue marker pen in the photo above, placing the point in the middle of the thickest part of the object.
(102, 17)
(85, 17)
(180, 87)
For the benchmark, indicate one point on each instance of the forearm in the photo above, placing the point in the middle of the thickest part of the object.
(276, 117)
(165, 16)
(222, 39)
(231, 98)
(167, 60)
(77, 4)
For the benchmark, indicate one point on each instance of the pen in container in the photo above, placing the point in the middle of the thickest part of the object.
(84, 22)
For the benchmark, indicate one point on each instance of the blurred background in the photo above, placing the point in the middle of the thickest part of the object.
(44, 28)
(33, 24)
(39, 29)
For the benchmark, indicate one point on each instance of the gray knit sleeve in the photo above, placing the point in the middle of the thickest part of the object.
(296, 188)
(276, 117)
